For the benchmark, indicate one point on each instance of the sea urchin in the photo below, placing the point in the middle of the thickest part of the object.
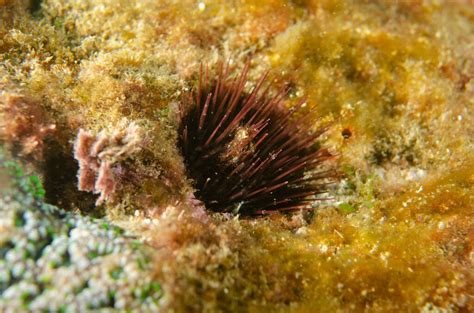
(245, 152)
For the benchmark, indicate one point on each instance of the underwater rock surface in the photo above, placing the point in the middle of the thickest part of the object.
(394, 79)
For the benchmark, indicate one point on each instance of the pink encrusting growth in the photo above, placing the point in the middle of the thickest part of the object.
(245, 152)
(24, 125)
(99, 158)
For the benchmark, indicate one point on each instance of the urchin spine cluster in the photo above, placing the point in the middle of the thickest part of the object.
(245, 152)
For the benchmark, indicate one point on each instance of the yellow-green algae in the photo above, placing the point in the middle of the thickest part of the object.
(399, 236)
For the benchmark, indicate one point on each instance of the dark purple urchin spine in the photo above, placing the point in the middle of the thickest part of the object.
(245, 152)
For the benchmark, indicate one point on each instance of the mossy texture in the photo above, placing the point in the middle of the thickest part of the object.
(394, 79)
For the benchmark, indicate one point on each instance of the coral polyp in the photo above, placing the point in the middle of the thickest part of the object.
(245, 152)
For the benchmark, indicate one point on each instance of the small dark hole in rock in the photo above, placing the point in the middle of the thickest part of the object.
(346, 133)
(35, 6)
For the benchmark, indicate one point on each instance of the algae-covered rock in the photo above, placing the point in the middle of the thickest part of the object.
(90, 98)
